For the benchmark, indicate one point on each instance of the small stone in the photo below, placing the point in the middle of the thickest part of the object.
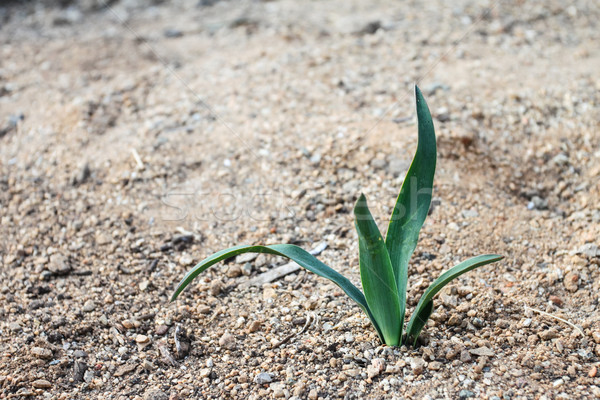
(89, 375)
(156, 395)
(204, 372)
(204, 309)
(79, 369)
(313, 394)
(269, 293)
(41, 384)
(593, 372)
(247, 269)
(253, 326)
(558, 382)
(127, 324)
(245, 258)
(81, 175)
(186, 260)
(172, 33)
(548, 334)
(537, 203)
(80, 354)
(161, 329)
(455, 320)
(435, 365)
(102, 238)
(142, 339)
(589, 250)
(89, 306)
(148, 366)
(482, 351)
(378, 163)
(59, 264)
(348, 337)
(14, 327)
(215, 288)
(465, 394)
(124, 369)
(375, 368)
(42, 353)
(451, 353)
(278, 390)
(234, 271)
(442, 114)
(556, 300)
(397, 166)
(262, 378)
(571, 282)
(227, 341)
(417, 365)
(596, 336)
(465, 356)
(449, 301)
(470, 213)
(478, 322)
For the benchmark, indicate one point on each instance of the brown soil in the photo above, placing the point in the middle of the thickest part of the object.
(137, 139)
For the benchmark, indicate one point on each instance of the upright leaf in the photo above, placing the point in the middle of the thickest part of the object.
(294, 253)
(377, 276)
(425, 305)
(413, 202)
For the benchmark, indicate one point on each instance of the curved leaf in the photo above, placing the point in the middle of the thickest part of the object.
(413, 201)
(376, 275)
(425, 305)
(294, 253)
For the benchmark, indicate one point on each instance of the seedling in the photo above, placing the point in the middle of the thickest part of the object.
(383, 264)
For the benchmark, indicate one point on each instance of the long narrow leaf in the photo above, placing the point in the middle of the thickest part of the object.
(425, 305)
(376, 275)
(413, 202)
(294, 253)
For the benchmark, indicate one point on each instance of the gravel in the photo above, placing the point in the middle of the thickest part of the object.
(116, 178)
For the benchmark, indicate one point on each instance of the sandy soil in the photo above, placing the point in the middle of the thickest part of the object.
(138, 138)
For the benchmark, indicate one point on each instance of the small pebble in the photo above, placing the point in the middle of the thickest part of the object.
(227, 340)
(42, 353)
(141, 339)
(41, 384)
(161, 329)
(435, 365)
(556, 300)
(465, 356)
(263, 377)
(89, 306)
(254, 326)
(215, 288)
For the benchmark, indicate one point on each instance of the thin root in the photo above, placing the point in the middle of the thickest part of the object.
(309, 321)
(572, 325)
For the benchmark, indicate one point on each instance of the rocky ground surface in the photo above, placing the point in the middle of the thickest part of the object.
(139, 137)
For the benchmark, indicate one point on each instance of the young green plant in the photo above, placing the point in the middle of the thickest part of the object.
(383, 264)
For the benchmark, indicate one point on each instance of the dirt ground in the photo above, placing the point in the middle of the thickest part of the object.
(138, 137)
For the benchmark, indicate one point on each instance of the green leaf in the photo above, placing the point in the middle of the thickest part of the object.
(425, 306)
(376, 275)
(413, 202)
(294, 253)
